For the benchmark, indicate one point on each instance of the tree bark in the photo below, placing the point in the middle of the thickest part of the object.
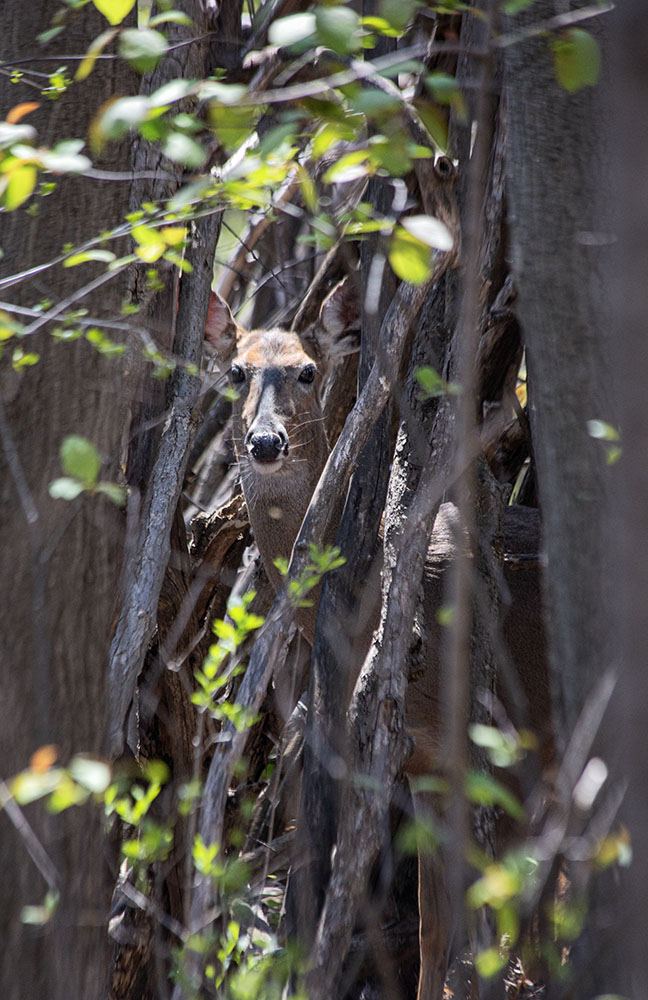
(61, 560)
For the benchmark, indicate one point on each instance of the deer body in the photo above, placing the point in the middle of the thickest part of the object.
(282, 447)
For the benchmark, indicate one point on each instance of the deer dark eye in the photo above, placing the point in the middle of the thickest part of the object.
(308, 374)
(237, 373)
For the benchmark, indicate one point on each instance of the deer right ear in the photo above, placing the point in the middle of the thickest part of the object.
(221, 330)
(338, 330)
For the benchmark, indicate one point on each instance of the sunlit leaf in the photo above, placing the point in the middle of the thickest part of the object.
(349, 167)
(577, 59)
(171, 17)
(183, 149)
(19, 187)
(142, 48)
(80, 459)
(42, 759)
(65, 488)
(292, 29)
(20, 110)
(490, 961)
(114, 10)
(11, 133)
(86, 65)
(429, 230)
(95, 775)
(28, 786)
(409, 257)
(80, 258)
(338, 29)
(113, 491)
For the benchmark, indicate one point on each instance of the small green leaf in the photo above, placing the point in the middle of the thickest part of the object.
(429, 230)
(577, 59)
(171, 16)
(80, 459)
(486, 791)
(338, 29)
(292, 29)
(65, 488)
(410, 258)
(114, 10)
(94, 775)
(511, 7)
(142, 48)
(113, 491)
(98, 45)
(490, 961)
(80, 258)
(20, 185)
(183, 149)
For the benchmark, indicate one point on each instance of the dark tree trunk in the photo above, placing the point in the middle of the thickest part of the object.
(60, 562)
(561, 260)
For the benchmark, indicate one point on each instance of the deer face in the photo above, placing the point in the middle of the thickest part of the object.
(277, 414)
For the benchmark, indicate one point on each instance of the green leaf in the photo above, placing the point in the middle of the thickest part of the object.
(20, 185)
(171, 92)
(114, 10)
(97, 46)
(28, 786)
(119, 117)
(428, 230)
(410, 258)
(94, 775)
(398, 12)
(511, 7)
(339, 29)
(577, 59)
(65, 488)
(486, 791)
(142, 48)
(173, 17)
(80, 459)
(183, 149)
(80, 258)
(113, 491)
(292, 29)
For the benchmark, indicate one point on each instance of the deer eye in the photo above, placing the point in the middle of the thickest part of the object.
(237, 373)
(308, 374)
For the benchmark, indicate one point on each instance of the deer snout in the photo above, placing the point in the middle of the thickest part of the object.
(266, 446)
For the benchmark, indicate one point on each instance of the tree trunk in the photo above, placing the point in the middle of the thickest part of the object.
(561, 258)
(60, 561)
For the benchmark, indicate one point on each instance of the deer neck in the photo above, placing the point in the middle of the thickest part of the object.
(277, 503)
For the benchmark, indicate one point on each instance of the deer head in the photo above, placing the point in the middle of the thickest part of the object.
(279, 432)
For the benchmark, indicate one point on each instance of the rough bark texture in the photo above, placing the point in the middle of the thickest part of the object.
(60, 561)
(627, 734)
(561, 257)
(555, 158)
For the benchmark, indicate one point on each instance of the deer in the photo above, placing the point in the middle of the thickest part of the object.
(281, 447)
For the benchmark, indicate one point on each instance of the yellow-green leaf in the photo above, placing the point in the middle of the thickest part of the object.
(410, 259)
(114, 10)
(577, 59)
(20, 185)
(87, 64)
(80, 459)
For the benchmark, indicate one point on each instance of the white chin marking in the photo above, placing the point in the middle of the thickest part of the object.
(265, 468)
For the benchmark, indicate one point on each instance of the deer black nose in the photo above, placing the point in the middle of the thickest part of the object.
(267, 446)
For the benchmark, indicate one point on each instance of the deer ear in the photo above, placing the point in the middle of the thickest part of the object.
(338, 330)
(221, 330)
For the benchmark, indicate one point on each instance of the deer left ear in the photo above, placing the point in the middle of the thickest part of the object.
(338, 330)
(221, 330)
